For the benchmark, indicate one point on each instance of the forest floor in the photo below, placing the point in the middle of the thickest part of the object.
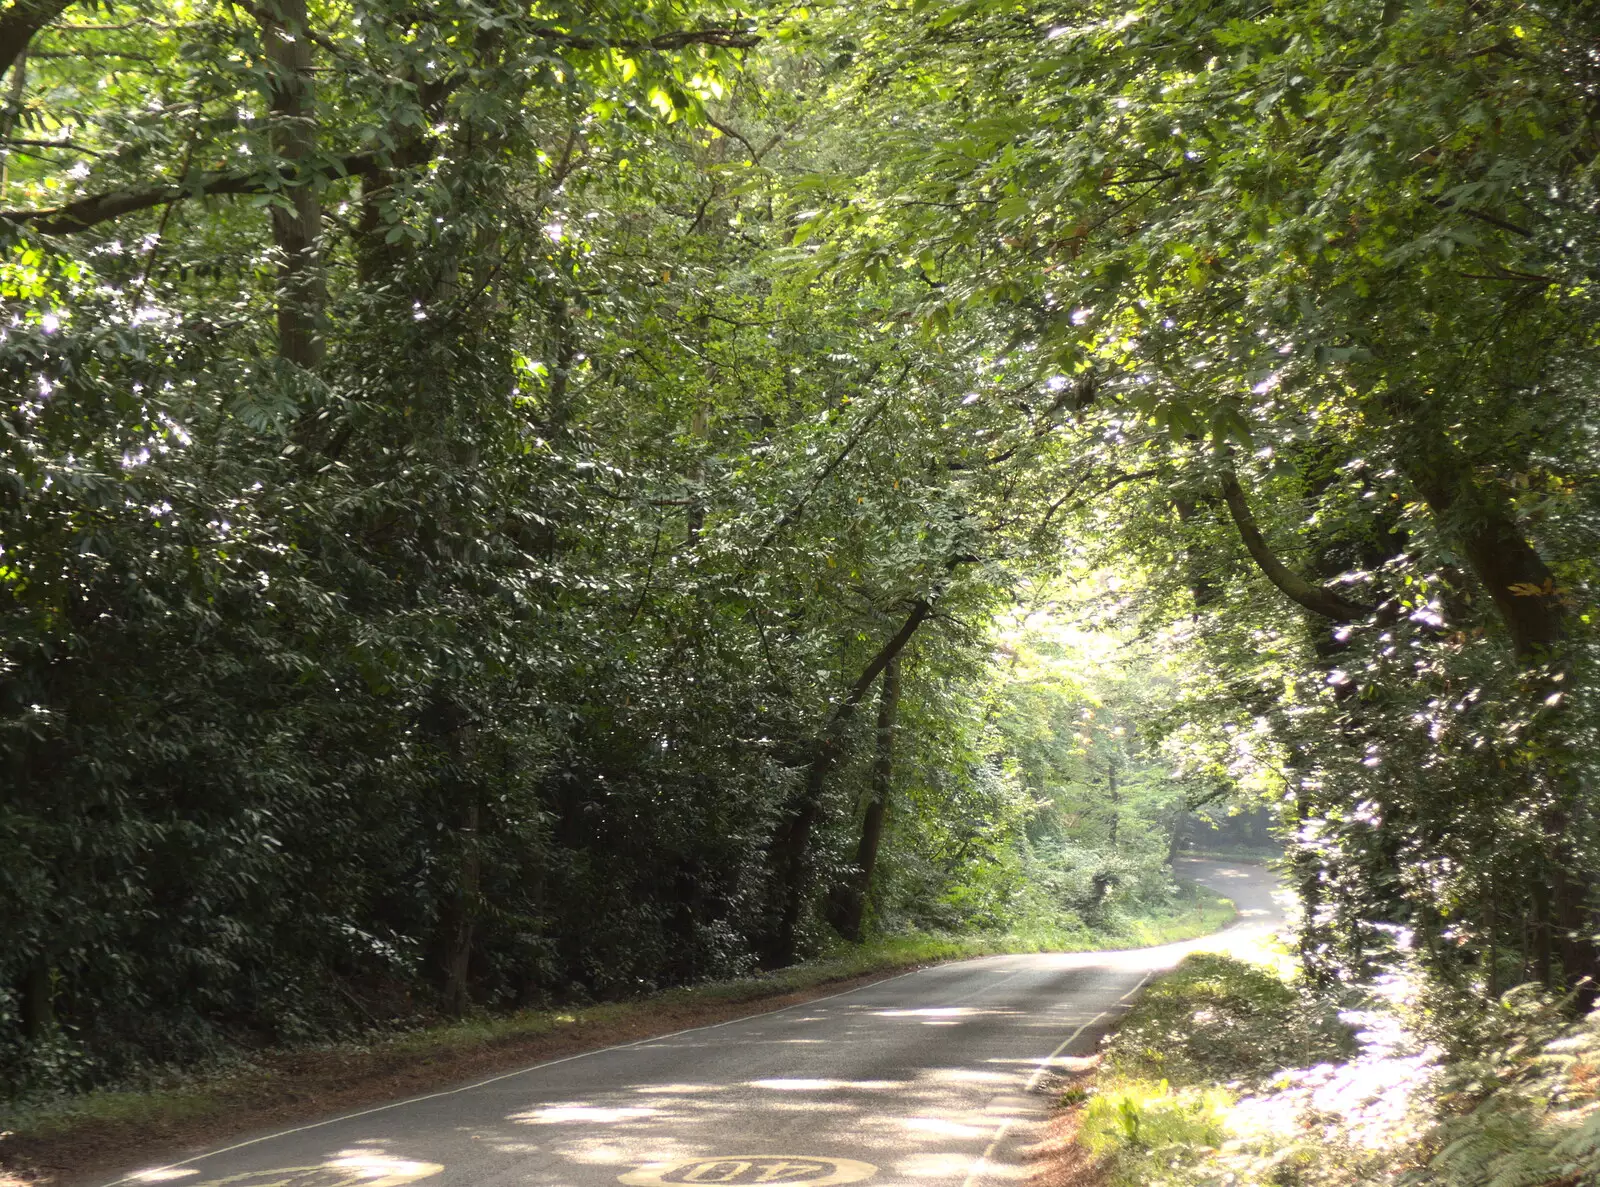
(68, 1140)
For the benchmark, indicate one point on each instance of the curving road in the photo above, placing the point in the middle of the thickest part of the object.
(930, 1079)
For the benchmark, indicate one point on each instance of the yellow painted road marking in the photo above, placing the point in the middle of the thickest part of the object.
(751, 1170)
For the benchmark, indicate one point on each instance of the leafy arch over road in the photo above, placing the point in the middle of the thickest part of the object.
(466, 466)
(1355, 240)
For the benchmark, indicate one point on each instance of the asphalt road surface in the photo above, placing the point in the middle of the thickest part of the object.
(937, 1078)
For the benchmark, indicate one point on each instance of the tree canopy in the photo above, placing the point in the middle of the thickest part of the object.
(511, 502)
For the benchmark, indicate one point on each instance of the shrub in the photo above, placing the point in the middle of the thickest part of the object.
(1215, 1020)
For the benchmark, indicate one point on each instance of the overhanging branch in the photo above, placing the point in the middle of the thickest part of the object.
(682, 39)
(20, 22)
(1318, 599)
(94, 209)
(24, 18)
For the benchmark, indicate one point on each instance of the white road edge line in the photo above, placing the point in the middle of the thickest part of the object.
(975, 1175)
(971, 1179)
(139, 1175)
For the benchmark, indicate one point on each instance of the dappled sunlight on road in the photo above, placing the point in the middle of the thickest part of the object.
(363, 1165)
(942, 1014)
(601, 1155)
(935, 1127)
(941, 1076)
(821, 1085)
(946, 1115)
(967, 1075)
(935, 1166)
(374, 1169)
(565, 1114)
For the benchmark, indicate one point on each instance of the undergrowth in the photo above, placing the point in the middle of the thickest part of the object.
(1172, 1073)
(1218, 1019)
(1228, 1074)
(1524, 1108)
(166, 1096)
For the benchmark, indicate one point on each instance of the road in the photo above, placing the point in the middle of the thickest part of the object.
(936, 1078)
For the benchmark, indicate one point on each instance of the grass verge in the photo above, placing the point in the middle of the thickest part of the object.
(1229, 1072)
(1249, 853)
(61, 1141)
(1166, 1091)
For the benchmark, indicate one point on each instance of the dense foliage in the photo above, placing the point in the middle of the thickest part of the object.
(450, 562)
(505, 503)
(1331, 267)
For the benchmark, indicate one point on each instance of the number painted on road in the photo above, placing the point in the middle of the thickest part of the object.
(751, 1170)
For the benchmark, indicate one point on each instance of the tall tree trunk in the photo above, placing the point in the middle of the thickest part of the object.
(1482, 520)
(461, 916)
(20, 22)
(790, 852)
(563, 356)
(1116, 797)
(450, 724)
(376, 258)
(1572, 908)
(1521, 584)
(9, 117)
(700, 430)
(848, 904)
(1313, 939)
(38, 1000)
(1543, 937)
(1527, 601)
(296, 228)
(1202, 588)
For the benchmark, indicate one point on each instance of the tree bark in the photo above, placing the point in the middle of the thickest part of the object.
(38, 1000)
(1534, 613)
(8, 118)
(791, 847)
(461, 917)
(1116, 797)
(1319, 599)
(1201, 587)
(695, 519)
(296, 228)
(563, 356)
(20, 22)
(450, 725)
(1518, 580)
(848, 904)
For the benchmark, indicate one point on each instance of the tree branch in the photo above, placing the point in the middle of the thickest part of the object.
(1318, 599)
(790, 849)
(734, 134)
(722, 38)
(920, 610)
(793, 512)
(20, 22)
(90, 211)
